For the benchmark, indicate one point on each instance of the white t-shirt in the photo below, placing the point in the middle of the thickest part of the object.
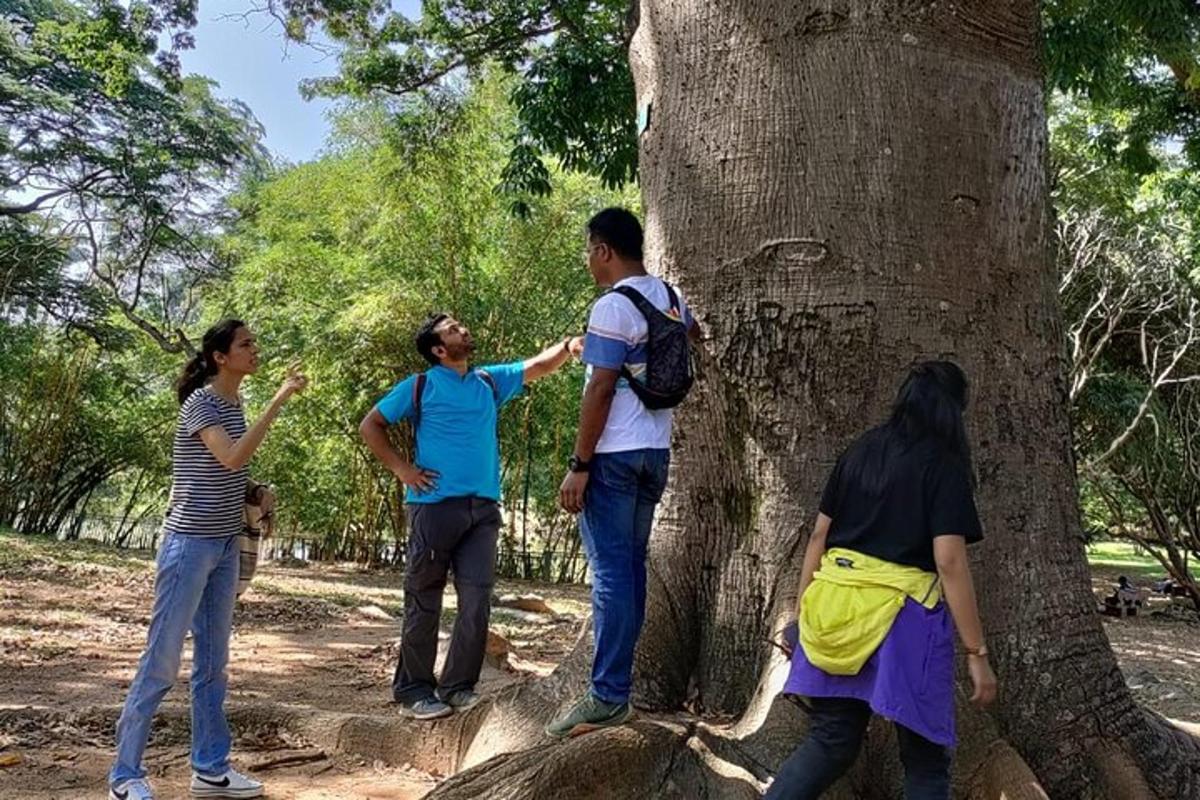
(616, 336)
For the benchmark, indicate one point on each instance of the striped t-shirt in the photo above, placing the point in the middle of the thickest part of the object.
(207, 498)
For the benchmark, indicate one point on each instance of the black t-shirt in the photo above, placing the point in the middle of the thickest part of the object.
(928, 495)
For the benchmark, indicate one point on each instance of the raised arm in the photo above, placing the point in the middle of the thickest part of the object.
(552, 358)
(235, 455)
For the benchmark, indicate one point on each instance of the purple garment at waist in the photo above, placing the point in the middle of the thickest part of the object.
(909, 679)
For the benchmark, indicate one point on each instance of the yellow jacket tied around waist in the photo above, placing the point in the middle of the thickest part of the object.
(851, 604)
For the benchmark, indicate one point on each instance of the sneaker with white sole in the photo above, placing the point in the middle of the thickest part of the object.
(428, 708)
(135, 789)
(460, 699)
(231, 784)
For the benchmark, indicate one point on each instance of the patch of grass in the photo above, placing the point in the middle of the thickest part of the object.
(19, 549)
(268, 587)
(102, 554)
(13, 554)
(1126, 557)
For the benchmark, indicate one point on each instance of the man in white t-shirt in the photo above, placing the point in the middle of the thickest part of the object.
(619, 469)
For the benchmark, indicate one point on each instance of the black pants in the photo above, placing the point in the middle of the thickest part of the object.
(835, 735)
(457, 534)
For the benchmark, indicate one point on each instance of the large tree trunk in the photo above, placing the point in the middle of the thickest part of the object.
(842, 188)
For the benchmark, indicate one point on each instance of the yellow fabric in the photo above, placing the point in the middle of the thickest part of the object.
(851, 604)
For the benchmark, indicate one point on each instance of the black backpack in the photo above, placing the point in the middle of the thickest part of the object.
(668, 353)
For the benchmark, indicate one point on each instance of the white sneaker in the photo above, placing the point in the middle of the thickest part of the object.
(135, 789)
(231, 784)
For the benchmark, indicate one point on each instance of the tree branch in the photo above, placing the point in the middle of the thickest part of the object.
(33, 205)
(478, 53)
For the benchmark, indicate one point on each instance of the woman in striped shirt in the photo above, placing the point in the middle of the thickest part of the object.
(198, 565)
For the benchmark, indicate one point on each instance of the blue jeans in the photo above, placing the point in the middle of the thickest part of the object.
(195, 588)
(618, 512)
(836, 728)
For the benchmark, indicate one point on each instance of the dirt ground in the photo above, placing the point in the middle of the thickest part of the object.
(73, 620)
(1159, 649)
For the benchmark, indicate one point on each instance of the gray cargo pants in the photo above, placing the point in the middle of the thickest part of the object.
(458, 534)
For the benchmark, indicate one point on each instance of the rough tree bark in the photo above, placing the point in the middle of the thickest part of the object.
(842, 187)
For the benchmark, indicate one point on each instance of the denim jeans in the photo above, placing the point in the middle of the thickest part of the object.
(195, 588)
(836, 728)
(618, 512)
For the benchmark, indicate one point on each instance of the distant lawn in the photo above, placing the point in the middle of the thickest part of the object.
(1124, 556)
(22, 548)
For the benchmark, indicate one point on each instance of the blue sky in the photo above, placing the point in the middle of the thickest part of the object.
(250, 60)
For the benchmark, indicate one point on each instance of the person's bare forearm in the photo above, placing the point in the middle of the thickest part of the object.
(236, 454)
(245, 447)
(812, 556)
(593, 416)
(547, 362)
(374, 432)
(959, 591)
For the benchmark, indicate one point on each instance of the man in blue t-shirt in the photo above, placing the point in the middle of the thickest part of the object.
(453, 494)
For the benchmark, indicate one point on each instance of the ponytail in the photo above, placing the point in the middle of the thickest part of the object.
(195, 375)
(202, 366)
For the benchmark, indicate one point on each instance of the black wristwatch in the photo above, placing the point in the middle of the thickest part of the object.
(577, 464)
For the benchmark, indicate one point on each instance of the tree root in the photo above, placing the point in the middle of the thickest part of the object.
(497, 750)
(649, 758)
(433, 747)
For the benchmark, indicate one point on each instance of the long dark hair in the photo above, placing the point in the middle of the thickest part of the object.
(928, 413)
(202, 366)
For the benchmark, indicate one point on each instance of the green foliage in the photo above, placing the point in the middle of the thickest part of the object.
(87, 114)
(106, 149)
(73, 416)
(112, 167)
(1131, 301)
(574, 99)
(341, 259)
(1136, 57)
(1091, 146)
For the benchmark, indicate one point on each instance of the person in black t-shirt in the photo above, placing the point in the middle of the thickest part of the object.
(928, 493)
(901, 493)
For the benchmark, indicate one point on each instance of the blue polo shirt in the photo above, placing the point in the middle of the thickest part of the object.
(456, 436)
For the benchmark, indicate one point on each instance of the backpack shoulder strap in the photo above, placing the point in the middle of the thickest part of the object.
(674, 298)
(418, 392)
(638, 299)
(487, 378)
(648, 309)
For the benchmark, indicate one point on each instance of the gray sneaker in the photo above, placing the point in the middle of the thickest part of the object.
(429, 708)
(589, 714)
(459, 699)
